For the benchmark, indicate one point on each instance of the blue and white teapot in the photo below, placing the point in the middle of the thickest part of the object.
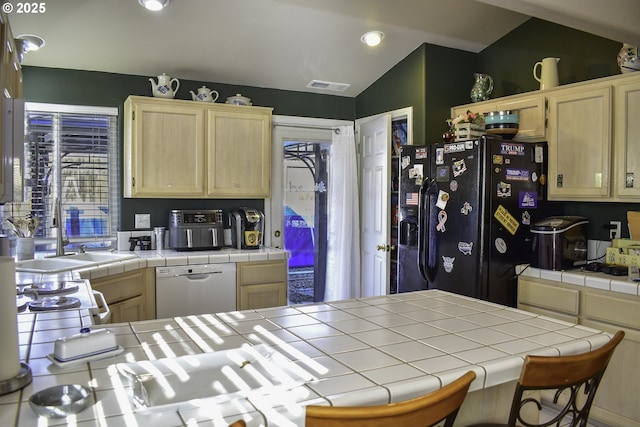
(164, 87)
(204, 95)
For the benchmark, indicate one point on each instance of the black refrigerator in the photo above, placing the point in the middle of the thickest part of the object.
(413, 170)
(475, 212)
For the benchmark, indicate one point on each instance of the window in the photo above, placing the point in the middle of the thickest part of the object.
(71, 156)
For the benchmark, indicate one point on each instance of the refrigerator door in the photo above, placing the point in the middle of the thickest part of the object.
(453, 204)
(517, 195)
(413, 169)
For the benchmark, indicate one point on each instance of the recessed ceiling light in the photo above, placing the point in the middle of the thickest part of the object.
(154, 5)
(30, 42)
(372, 38)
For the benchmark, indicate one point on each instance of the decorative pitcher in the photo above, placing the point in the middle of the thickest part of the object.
(482, 88)
(548, 74)
(164, 87)
(204, 95)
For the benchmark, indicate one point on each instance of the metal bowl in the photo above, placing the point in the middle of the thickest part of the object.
(60, 400)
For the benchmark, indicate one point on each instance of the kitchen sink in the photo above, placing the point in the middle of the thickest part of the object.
(187, 382)
(99, 256)
(70, 262)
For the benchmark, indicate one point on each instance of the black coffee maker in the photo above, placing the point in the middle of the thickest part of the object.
(247, 228)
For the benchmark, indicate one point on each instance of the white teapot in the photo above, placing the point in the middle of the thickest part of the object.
(164, 87)
(204, 95)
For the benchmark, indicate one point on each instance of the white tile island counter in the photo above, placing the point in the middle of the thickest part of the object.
(361, 351)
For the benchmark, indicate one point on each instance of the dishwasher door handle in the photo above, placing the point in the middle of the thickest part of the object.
(199, 276)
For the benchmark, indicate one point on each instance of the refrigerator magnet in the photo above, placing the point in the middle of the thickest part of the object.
(465, 247)
(442, 174)
(498, 159)
(442, 218)
(406, 161)
(439, 156)
(447, 263)
(459, 167)
(507, 220)
(504, 190)
(453, 185)
(501, 245)
(526, 218)
(528, 199)
(416, 172)
(443, 198)
(466, 208)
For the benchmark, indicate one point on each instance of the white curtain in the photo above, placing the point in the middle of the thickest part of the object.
(343, 249)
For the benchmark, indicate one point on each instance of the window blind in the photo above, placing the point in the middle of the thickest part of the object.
(71, 156)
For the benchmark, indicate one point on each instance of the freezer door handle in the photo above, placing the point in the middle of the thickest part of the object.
(428, 236)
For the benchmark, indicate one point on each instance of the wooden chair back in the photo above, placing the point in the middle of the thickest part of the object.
(239, 423)
(423, 411)
(577, 376)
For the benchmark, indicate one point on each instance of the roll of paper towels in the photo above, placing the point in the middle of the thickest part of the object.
(9, 353)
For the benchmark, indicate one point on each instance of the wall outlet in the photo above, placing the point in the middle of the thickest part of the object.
(615, 230)
(143, 220)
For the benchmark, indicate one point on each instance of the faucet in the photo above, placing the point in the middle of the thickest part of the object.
(60, 241)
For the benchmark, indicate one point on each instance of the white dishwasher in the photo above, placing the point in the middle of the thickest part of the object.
(195, 289)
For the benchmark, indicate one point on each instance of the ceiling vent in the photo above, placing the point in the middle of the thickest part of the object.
(319, 84)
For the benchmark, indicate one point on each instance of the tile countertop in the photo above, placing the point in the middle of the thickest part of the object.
(165, 257)
(361, 351)
(581, 277)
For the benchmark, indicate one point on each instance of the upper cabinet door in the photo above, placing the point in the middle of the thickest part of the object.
(239, 152)
(164, 149)
(627, 149)
(532, 114)
(579, 138)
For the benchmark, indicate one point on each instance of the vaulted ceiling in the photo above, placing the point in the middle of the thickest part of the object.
(284, 44)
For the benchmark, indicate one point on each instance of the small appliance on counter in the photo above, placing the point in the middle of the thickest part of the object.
(196, 229)
(559, 243)
(247, 228)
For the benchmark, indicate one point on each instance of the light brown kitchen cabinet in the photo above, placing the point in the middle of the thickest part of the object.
(579, 143)
(626, 147)
(239, 152)
(11, 70)
(186, 149)
(261, 284)
(10, 82)
(130, 295)
(531, 109)
(602, 310)
(164, 149)
(548, 300)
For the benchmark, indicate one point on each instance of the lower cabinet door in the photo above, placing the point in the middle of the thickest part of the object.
(262, 296)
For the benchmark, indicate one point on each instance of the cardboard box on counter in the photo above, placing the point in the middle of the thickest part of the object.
(623, 256)
(624, 243)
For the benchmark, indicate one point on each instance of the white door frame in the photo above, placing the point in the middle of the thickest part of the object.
(289, 127)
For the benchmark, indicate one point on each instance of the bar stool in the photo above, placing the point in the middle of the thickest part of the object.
(575, 377)
(423, 411)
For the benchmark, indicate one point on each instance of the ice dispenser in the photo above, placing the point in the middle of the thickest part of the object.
(559, 242)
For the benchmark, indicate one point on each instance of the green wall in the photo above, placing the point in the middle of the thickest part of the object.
(426, 81)
(62, 86)
(510, 60)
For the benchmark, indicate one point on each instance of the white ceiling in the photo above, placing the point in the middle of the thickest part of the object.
(284, 44)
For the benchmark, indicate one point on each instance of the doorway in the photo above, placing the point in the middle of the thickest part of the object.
(305, 218)
(298, 206)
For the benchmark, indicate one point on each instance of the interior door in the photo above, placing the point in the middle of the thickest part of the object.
(375, 142)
